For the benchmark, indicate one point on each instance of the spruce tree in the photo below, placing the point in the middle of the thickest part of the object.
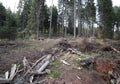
(106, 18)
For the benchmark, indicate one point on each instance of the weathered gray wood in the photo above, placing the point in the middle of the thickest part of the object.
(64, 62)
(26, 63)
(13, 71)
(34, 65)
(118, 81)
(7, 75)
(3, 80)
(115, 50)
(47, 61)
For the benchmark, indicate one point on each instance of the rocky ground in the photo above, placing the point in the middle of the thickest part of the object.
(77, 61)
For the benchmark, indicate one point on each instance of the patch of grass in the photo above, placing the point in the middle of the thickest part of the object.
(56, 64)
(76, 60)
(83, 56)
(55, 69)
(54, 74)
(25, 47)
(99, 41)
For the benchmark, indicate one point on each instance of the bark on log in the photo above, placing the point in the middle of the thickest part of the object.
(45, 64)
(115, 50)
(13, 71)
(34, 65)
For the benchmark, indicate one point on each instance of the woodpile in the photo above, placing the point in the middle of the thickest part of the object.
(37, 68)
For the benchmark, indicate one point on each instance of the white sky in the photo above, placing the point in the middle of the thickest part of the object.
(12, 4)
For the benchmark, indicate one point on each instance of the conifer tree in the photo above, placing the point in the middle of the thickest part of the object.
(106, 18)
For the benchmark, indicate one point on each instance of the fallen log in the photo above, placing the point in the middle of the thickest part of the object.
(41, 63)
(43, 66)
(89, 60)
(33, 66)
(7, 75)
(74, 51)
(45, 62)
(26, 63)
(39, 82)
(115, 50)
(4, 81)
(13, 73)
(47, 71)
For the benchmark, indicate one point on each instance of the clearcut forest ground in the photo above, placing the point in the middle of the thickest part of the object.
(99, 56)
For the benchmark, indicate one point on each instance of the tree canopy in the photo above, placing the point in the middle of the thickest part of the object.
(78, 17)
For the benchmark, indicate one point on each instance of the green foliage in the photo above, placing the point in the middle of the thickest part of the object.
(54, 74)
(54, 19)
(2, 15)
(7, 24)
(8, 32)
(56, 64)
(106, 18)
(23, 16)
(99, 41)
(91, 9)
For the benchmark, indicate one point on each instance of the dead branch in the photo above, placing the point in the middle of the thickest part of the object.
(13, 71)
(40, 73)
(39, 82)
(26, 63)
(43, 66)
(37, 68)
(65, 62)
(115, 50)
(34, 65)
(7, 75)
(74, 51)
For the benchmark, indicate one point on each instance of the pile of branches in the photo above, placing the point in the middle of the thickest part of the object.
(30, 70)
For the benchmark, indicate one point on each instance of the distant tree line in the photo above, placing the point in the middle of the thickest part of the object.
(71, 17)
(34, 18)
(8, 23)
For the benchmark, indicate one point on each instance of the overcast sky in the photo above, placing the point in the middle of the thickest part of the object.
(12, 4)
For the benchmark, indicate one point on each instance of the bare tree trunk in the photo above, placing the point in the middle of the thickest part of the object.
(65, 31)
(38, 7)
(93, 29)
(74, 18)
(37, 26)
(80, 18)
(66, 14)
(50, 29)
(63, 18)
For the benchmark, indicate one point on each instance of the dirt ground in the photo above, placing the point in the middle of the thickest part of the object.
(107, 60)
